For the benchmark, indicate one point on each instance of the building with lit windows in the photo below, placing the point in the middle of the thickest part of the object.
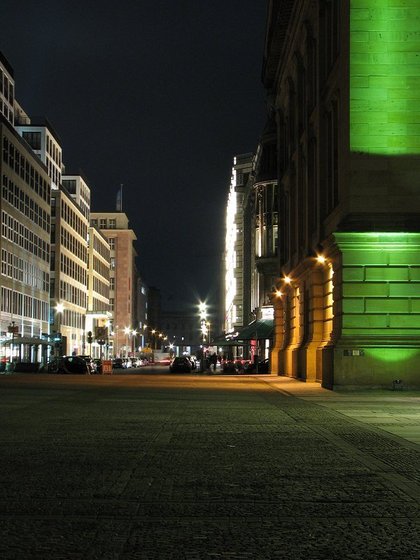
(123, 282)
(69, 258)
(7, 90)
(252, 233)
(25, 239)
(260, 262)
(44, 141)
(342, 79)
(98, 314)
(234, 245)
(69, 223)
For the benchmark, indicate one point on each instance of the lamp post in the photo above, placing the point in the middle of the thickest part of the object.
(202, 307)
(143, 337)
(59, 310)
(134, 334)
(127, 331)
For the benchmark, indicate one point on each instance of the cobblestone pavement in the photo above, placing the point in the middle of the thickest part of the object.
(197, 468)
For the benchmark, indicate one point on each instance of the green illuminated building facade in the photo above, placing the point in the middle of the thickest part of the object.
(343, 79)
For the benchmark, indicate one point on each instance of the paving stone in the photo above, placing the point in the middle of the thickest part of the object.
(159, 467)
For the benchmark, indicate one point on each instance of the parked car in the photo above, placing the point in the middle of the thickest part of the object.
(180, 364)
(68, 364)
(192, 361)
(90, 362)
(98, 364)
(228, 366)
(263, 366)
(117, 363)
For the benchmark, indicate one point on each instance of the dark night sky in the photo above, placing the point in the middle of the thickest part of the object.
(158, 95)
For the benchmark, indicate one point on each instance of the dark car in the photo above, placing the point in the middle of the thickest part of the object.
(261, 367)
(90, 362)
(192, 361)
(68, 364)
(264, 366)
(180, 364)
(228, 366)
(98, 364)
(117, 363)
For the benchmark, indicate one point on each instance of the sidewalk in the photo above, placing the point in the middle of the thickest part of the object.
(396, 412)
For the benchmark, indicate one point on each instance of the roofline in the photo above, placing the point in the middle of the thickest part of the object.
(7, 65)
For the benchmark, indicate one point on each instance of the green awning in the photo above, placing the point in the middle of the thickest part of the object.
(257, 330)
(223, 341)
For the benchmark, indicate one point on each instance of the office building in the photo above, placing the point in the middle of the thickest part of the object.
(123, 282)
(234, 245)
(25, 240)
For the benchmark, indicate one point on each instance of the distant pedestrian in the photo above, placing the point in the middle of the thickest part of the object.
(213, 361)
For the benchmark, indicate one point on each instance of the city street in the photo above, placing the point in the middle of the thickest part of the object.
(205, 467)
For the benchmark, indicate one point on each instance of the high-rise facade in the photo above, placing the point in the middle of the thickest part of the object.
(69, 224)
(25, 239)
(69, 260)
(123, 282)
(234, 245)
(7, 90)
(98, 315)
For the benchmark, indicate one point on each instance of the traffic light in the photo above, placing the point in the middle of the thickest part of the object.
(89, 337)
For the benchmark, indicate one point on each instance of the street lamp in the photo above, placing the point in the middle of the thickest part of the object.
(202, 308)
(59, 310)
(143, 336)
(208, 332)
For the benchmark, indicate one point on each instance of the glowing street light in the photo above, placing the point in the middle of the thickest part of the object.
(59, 307)
(202, 310)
